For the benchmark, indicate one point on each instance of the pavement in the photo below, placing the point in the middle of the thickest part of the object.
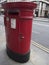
(41, 19)
(37, 56)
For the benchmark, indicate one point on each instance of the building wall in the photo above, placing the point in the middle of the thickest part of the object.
(42, 8)
(47, 8)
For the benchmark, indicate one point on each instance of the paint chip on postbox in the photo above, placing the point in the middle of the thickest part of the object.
(13, 23)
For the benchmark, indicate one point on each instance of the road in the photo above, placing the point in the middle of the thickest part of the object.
(40, 33)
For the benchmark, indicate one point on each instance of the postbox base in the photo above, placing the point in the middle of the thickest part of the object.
(18, 57)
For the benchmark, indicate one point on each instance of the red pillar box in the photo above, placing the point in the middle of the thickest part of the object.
(18, 25)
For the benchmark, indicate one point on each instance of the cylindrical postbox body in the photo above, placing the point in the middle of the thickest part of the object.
(18, 25)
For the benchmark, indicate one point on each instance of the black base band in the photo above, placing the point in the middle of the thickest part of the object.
(18, 57)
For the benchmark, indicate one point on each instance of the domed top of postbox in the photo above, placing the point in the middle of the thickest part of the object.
(14, 5)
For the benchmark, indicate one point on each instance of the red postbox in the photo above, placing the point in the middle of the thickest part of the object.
(18, 25)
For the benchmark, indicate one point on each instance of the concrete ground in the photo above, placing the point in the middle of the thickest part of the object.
(37, 56)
